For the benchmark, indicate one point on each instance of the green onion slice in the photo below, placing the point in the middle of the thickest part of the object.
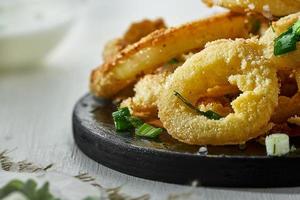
(286, 42)
(136, 122)
(208, 114)
(121, 119)
(173, 61)
(125, 122)
(255, 25)
(146, 130)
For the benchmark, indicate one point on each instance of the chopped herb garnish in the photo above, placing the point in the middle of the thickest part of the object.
(125, 122)
(136, 122)
(121, 119)
(286, 42)
(255, 25)
(146, 130)
(173, 61)
(209, 114)
(272, 27)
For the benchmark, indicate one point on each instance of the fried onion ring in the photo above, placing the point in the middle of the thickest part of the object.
(297, 77)
(159, 47)
(287, 107)
(147, 91)
(294, 120)
(134, 33)
(268, 8)
(237, 62)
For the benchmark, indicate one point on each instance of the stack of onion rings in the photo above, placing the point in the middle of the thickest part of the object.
(237, 78)
(159, 47)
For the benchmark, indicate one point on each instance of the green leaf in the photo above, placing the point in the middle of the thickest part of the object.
(146, 130)
(43, 192)
(14, 185)
(208, 114)
(28, 189)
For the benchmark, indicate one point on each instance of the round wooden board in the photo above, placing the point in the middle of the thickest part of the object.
(167, 160)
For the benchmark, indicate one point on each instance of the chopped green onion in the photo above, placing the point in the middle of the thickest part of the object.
(271, 25)
(124, 122)
(209, 114)
(136, 122)
(296, 28)
(173, 61)
(286, 42)
(255, 25)
(146, 130)
(121, 119)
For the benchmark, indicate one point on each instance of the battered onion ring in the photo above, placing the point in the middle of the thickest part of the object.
(297, 77)
(215, 105)
(133, 34)
(159, 47)
(238, 62)
(265, 7)
(294, 120)
(287, 107)
(147, 91)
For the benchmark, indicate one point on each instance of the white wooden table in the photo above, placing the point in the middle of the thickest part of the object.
(36, 104)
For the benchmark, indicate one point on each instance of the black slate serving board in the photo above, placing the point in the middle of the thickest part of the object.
(168, 160)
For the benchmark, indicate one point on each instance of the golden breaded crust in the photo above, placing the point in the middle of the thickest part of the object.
(294, 120)
(138, 30)
(268, 8)
(133, 34)
(159, 47)
(147, 91)
(287, 107)
(238, 62)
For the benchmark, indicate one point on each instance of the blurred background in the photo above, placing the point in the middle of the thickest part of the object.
(32, 29)
(47, 51)
(49, 47)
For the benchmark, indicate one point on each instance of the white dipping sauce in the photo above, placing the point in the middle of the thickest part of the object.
(29, 29)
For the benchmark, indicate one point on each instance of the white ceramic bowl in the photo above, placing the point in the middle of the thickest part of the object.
(29, 29)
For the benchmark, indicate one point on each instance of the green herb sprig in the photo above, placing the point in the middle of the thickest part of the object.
(286, 42)
(208, 114)
(146, 130)
(125, 122)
